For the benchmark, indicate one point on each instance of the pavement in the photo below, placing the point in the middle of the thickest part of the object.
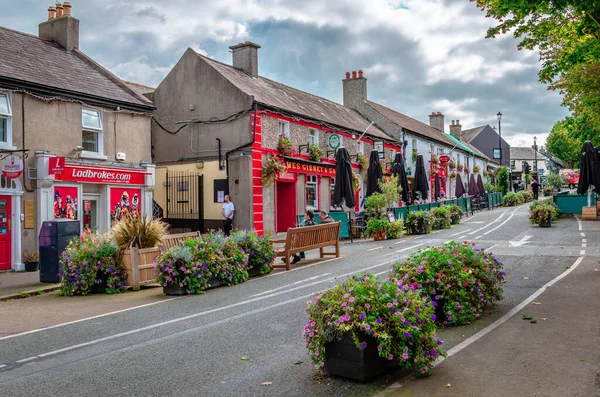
(146, 344)
(15, 285)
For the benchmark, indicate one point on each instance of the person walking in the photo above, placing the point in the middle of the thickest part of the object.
(309, 220)
(325, 218)
(535, 187)
(516, 186)
(227, 215)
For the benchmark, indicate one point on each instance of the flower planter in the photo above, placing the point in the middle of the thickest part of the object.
(174, 289)
(440, 316)
(253, 271)
(99, 288)
(213, 282)
(380, 235)
(344, 359)
(547, 223)
(419, 229)
(456, 220)
(32, 266)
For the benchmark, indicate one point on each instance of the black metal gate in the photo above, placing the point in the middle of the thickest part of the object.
(185, 202)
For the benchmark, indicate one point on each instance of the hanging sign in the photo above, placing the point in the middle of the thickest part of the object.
(12, 167)
(444, 159)
(378, 146)
(56, 165)
(335, 141)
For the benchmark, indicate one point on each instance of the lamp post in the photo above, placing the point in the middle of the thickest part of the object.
(500, 135)
(535, 162)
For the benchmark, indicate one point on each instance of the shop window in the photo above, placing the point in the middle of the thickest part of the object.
(361, 147)
(392, 154)
(312, 192)
(283, 127)
(92, 137)
(5, 122)
(313, 137)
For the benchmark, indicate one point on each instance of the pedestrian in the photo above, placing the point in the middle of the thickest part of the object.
(522, 185)
(309, 220)
(227, 215)
(535, 187)
(325, 218)
(516, 186)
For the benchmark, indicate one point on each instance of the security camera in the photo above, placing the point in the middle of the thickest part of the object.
(78, 148)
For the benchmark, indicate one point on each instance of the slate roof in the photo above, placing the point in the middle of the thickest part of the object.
(411, 124)
(276, 95)
(470, 148)
(28, 58)
(522, 153)
(470, 134)
(139, 88)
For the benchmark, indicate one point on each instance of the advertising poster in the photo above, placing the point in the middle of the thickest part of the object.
(66, 202)
(124, 202)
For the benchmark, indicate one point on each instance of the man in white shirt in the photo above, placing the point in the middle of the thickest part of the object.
(227, 214)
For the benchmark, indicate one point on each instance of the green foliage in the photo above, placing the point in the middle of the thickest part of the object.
(561, 143)
(315, 153)
(465, 278)
(375, 203)
(377, 227)
(442, 218)
(285, 145)
(455, 213)
(259, 249)
(527, 178)
(393, 315)
(363, 162)
(524, 196)
(138, 231)
(554, 180)
(502, 184)
(391, 190)
(394, 229)
(547, 191)
(511, 199)
(185, 266)
(543, 212)
(418, 221)
(488, 187)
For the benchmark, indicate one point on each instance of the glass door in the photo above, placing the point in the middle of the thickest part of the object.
(90, 213)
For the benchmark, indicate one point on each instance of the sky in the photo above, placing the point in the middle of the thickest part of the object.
(419, 56)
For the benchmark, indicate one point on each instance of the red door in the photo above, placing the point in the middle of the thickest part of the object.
(5, 233)
(285, 203)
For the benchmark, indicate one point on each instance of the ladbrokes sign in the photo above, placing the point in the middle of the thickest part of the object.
(101, 175)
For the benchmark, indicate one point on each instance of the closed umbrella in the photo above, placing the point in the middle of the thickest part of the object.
(398, 169)
(437, 185)
(374, 174)
(588, 174)
(460, 188)
(343, 191)
(421, 184)
(473, 190)
(480, 185)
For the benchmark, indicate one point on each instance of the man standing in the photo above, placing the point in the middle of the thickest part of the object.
(535, 187)
(227, 214)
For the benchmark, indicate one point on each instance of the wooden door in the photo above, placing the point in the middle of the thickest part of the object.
(5, 233)
(285, 202)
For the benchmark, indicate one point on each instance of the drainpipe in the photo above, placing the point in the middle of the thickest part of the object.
(242, 146)
(27, 189)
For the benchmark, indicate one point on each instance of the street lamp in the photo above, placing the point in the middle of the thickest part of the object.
(500, 135)
(535, 150)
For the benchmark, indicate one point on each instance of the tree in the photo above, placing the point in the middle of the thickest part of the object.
(554, 181)
(562, 145)
(502, 180)
(391, 190)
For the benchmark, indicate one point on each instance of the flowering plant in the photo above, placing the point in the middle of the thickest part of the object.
(435, 159)
(418, 222)
(543, 212)
(452, 175)
(459, 167)
(91, 259)
(442, 218)
(511, 199)
(285, 146)
(31, 256)
(486, 173)
(452, 164)
(181, 266)
(270, 170)
(391, 315)
(363, 162)
(460, 277)
(476, 169)
(415, 153)
(315, 153)
(467, 170)
(455, 213)
(259, 249)
(355, 181)
(526, 196)
(226, 261)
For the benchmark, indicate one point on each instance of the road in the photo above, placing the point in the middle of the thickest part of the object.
(193, 346)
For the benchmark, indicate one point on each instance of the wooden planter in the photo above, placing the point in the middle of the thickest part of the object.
(139, 265)
(344, 359)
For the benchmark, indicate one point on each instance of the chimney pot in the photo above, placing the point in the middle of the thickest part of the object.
(457, 122)
(67, 8)
(354, 74)
(51, 13)
(360, 74)
(347, 75)
(452, 122)
(433, 113)
(59, 10)
(63, 31)
(245, 57)
(436, 120)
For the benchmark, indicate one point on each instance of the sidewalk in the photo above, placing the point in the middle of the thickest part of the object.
(20, 284)
(557, 356)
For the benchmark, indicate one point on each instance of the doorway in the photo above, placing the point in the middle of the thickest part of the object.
(90, 213)
(5, 233)
(285, 206)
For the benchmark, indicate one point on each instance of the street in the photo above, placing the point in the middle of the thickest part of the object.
(231, 340)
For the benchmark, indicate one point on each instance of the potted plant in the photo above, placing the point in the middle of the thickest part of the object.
(259, 250)
(365, 327)
(455, 213)
(459, 168)
(542, 214)
(32, 261)
(476, 169)
(486, 173)
(467, 170)
(227, 262)
(315, 153)
(415, 153)
(452, 164)
(452, 175)
(547, 191)
(394, 229)
(375, 203)
(363, 162)
(435, 159)
(271, 168)
(377, 227)
(460, 279)
(180, 272)
(442, 218)
(418, 222)
(285, 146)
(355, 181)
(510, 200)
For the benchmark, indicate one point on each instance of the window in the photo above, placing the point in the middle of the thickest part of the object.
(440, 151)
(468, 165)
(392, 154)
(313, 137)
(361, 147)
(512, 163)
(5, 122)
(414, 145)
(92, 138)
(283, 127)
(312, 192)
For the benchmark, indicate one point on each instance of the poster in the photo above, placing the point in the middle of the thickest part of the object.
(124, 202)
(66, 202)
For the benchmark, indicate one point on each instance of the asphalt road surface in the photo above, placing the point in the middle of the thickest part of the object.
(193, 346)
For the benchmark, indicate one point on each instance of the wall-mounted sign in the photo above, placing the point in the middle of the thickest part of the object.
(12, 167)
(56, 165)
(125, 201)
(335, 141)
(102, 175)
(497, 153)
(29, 208)
(378, 146)
(302, 168)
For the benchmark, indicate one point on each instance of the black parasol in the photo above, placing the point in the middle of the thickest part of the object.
(460, 188)
(589, 174)
(374, 174)
(343, 191)
(473, 190)
(398, 169)
(480, 186)
(437, 185)
(420, 184)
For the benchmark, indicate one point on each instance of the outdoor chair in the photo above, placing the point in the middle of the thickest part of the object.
(358, 225)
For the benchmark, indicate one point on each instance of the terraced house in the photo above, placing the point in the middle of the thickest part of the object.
(74, 138)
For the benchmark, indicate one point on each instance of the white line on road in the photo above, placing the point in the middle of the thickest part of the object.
(582, 252)
(584, 245)
(375, 248)
(464, 231)
(579, 223)
(478, 237)
(437, 231)
(461, 237)
(489, 224)
(583, 240)
(289, 285)
(407, 248)
(495, 245)
(582, 234)
(502, 224)
(3, 365)
(400, 242)
(24, 360)
(474, 222)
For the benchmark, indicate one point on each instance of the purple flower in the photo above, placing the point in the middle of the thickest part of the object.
(367, 327)
(363, 345)
(433, 317)
(405, 356)
(378, 320)
(362, 316)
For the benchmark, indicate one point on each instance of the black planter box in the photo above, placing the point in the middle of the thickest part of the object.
(254, 271)
(174, 289)
(440, 316)
(213, 282)
(344, 359)
(32, 266)
(548, 223)
(99, 288)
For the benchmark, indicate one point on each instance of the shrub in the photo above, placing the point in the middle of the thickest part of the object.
(510, 200)
(226, 261)
(463, 278)
(525, 196)
(182, 265)
(488, 187)
(455, 213)
(391, 191)
(138, 231)
(258, 248)
(543, 212)
(375, 203)
(502, 183)
(363, 162)
(441, 218)
(554, 181)
(417, 221)
(377, 226)
(394, 229)
(315, 153)
(395, 316)
(476, 169)
(86, 261)
(271, 168)
(547, 191)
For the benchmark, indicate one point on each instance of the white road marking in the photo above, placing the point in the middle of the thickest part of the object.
(495, 245)
(474, 222)
(23, 360)
(583, 245)
(521, 242)
(400, 242)
(293, 270)
(461, 237)
(478, 237)
(489, 224)
(375, 248)
(437, 231)
(500, 225)
(579, 223)
(407, 248)
(464, 231)
(582, 234)
(3, 365)
(380, 273)
(582, 252)
(583, 240)
(289, 285)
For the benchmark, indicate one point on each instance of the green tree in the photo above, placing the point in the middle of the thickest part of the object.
(502, 180)
(554, 181)
(391, 190)
(562, 145)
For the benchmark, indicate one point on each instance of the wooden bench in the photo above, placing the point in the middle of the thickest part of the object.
(171, 240)
(300, 239)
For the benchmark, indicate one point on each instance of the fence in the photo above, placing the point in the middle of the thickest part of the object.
(185, 202)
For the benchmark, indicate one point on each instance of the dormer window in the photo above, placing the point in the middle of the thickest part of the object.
(92, 135)
(5, 122)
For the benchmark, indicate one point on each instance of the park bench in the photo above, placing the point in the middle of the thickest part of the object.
(171, 240)
(300, 239)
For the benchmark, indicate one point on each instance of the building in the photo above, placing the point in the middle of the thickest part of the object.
(418, 138)
(485, 139)
(75, 135)
(230, 121)
(541, 163)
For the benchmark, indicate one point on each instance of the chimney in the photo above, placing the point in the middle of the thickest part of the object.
(355, 91)
(436, 120)
(456, 130)
(245, 57)
(61, 27)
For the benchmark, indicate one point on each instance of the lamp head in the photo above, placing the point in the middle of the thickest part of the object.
(499, 116)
